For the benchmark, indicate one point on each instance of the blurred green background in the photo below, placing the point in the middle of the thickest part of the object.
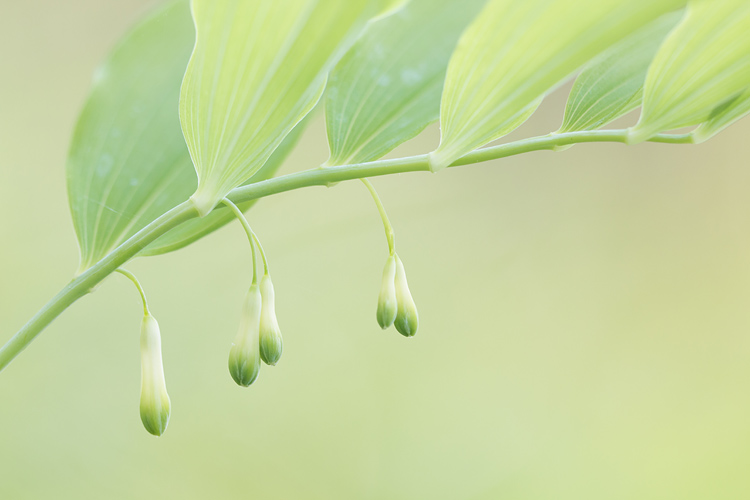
(585, 330)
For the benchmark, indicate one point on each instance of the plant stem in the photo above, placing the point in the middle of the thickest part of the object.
(250, 236)
(389, 234)
(262, 253)
(86, 281)
(137, 284)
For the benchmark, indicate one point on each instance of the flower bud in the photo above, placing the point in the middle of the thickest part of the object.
(271, 343)
(387, 302)
(407, 319)
(155, 404)
(244, 357)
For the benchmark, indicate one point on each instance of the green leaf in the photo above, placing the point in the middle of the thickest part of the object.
(128, 163)
(723, 116)
(516, 52)
(612, 84)
(704, 63)
(387, 88)
(195, 229)
(257, 69)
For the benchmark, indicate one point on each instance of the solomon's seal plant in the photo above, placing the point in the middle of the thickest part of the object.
(196, 108)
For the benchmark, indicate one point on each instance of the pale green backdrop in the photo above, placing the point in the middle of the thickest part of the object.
(585, 329)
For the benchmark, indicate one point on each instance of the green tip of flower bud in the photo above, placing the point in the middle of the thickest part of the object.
(271, 346)
(155, 416)
(387, 302)
(244, 357)
(155, 405)
(407, 318)
(271, 343)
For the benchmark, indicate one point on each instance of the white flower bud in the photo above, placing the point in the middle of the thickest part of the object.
(407, 319)
(387, 302)
(271, 343)
(244, 357)
(155, 405)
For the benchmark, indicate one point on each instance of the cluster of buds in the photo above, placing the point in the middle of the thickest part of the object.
(259, 337)
(395, 303)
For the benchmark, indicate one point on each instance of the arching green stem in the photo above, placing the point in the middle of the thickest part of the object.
(88, 279)
(389, 234)
(137, 284)
(251, 238)
(262, 253)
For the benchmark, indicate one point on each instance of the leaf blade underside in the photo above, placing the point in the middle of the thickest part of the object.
(128, 163)
(515, 53)
(611, 85)
(722, 117)
(258, 68)
(387, 88)
(702, 65)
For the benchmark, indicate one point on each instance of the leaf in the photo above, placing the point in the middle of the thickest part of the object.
(612, 84)
(723, 116)
(257, 69)
(128, 163)
(195, 229)
(387, 88)
(516, 52)
(703, 63)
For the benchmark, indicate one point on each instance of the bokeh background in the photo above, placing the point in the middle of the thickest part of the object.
(585, 329)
